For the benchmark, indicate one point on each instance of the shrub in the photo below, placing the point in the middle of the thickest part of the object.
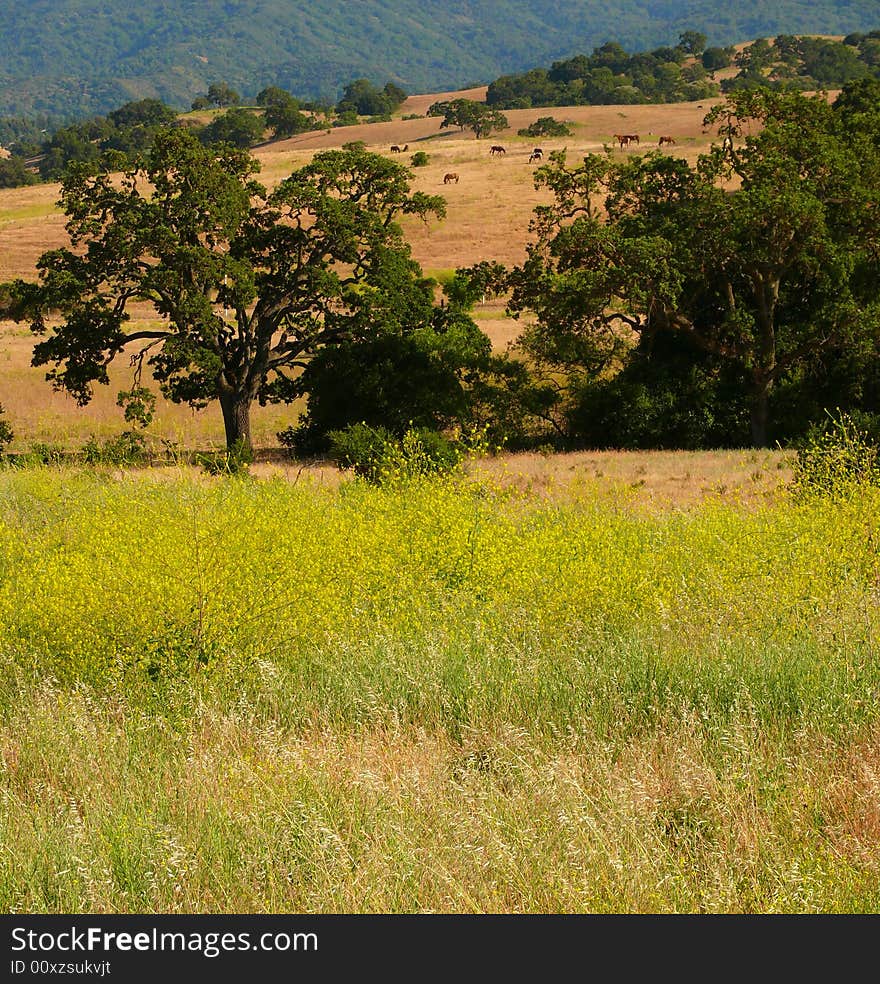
(354, 145)
(546, 126)
(129, 448)
(375, 454)
(835, 458)
(234, 461)
(419, 159)
(348, 118)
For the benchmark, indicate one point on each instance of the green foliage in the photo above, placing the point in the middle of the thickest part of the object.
(652, 246)
(546, 126)
(235, 460)
(419, 375)
(348, 118)
(668, 395)
(835, 458)
(143, 112)
(375, 454)
(126, 450)
(419, 159)
(364, 99)
(714, 59)
(138, 404)
(221, 94)
(14, 174)
(282, 113)
(803, 63)
(609, 75)
(469, 114)
(237, 127)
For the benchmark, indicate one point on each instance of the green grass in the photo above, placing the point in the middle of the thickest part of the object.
(230, 695)
(23, 212)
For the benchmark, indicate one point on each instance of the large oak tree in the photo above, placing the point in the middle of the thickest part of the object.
(246, 285)
(763, 254)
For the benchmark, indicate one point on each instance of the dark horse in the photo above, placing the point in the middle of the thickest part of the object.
(496, 149)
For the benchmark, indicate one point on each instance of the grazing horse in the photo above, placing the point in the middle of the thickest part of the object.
(395, 149)
(537, 155)
(666, 140)
(622, 139)
(452, 176)
(496, 149)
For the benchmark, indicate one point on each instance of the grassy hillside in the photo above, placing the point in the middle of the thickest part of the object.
(63, 56)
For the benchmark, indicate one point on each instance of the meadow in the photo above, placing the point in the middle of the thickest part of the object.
(451, 696)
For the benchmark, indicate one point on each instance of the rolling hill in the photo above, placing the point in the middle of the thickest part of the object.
(74, 58)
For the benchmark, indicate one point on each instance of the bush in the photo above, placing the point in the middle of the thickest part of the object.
(546, 126)
(835, 458)
(375, 454)
(419, 159)
(354, 145)
(228, 462)
(130, 448)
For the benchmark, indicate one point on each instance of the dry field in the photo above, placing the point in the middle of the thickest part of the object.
(488, 214)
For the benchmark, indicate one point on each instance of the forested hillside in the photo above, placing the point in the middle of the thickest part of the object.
(73, 58)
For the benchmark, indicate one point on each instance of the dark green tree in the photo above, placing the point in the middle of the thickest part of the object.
(238, 127)
(764, 255)
(247, 286)
(714, 59)
(144, 112)
(362, 97)
(222, 95)
(14, 174)
(693, 42)
(469, 114)
(282, 115)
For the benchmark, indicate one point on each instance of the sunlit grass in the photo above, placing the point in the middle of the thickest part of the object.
(247, 695)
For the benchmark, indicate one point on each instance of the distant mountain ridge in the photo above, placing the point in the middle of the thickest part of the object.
(77, 57)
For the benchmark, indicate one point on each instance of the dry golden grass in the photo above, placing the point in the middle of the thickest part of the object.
(645, 479)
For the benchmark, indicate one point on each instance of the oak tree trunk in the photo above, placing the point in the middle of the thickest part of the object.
(237, 420)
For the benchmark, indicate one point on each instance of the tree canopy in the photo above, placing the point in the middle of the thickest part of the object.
(468, 114)
(764, 255)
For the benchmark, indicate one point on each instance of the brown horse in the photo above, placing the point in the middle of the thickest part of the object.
(452, 176)
(622, 139)
(496, 149)
(632, 138)
(395, 149)
(666, 140)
